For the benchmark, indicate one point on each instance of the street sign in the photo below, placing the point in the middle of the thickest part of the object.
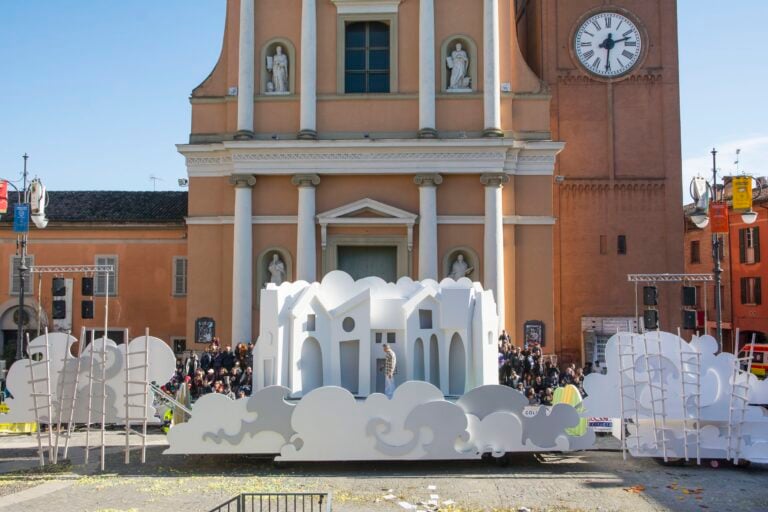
(21, 218)
(742, 194)
(718, 216)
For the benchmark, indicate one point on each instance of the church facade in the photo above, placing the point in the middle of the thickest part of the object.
(433, 138)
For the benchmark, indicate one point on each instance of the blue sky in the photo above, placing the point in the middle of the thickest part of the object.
(97, 91)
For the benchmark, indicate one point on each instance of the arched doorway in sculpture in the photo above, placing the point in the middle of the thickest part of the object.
(434, 361)
(457, 366)
(311, 365)
(418, 359)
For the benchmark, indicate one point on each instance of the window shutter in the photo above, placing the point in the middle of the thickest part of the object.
(756, 243)
(101, 283)
(744, 290)
(758, 297)
(742, 245)
(180, 276)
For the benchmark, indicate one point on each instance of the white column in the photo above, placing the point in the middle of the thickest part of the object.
(306, 245)
(245, 77)
(308, 99)
(491, 71)
(428, 224)
(242, 259)
(427, 69)
(494, 239)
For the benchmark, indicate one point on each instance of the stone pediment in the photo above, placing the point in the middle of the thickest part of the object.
(364, 210)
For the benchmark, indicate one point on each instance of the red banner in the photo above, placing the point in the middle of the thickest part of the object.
(3, 197)
(718, 217)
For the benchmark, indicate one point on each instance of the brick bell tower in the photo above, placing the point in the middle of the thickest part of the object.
(612, 69)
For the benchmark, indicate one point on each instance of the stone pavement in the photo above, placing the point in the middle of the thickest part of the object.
(596, 480)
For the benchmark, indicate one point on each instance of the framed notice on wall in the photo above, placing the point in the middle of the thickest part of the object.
(533, 333)
(205, 330)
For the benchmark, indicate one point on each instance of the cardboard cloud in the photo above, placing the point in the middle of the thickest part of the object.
(661, 371)
(63, 368)
(417, 423)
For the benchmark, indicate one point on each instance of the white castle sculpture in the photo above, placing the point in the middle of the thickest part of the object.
(331, 334)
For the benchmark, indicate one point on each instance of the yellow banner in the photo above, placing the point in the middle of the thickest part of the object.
(742, 194)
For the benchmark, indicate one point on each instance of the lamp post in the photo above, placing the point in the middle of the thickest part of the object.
(701, 191)
(718, 270)
(21, 250)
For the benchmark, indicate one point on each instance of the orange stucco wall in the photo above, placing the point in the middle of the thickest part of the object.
(144, 281)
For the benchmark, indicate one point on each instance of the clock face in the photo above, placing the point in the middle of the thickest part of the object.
(608, 44)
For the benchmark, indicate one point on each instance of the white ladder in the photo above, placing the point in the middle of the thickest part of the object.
(658, 394)
(623, 388)
(690, 383)
(143, 390)
(45, 363)
(739, 400)
(75, 384)
(102, 380)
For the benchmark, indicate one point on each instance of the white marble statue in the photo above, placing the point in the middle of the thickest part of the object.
(458, 63)
(278, 65)
(460, 268)
(276, 270)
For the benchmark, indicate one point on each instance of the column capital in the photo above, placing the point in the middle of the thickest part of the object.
(242, 180)
(305, 180)
(494, 179)
(428, 180)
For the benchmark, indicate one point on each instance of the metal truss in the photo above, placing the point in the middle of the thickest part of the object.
(75, 269)
(668, 278)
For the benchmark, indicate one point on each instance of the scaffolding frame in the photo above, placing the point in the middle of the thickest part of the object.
(638, 279)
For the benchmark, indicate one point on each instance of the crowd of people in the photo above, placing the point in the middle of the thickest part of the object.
(533, 374)
(218, 370)
(230, 372)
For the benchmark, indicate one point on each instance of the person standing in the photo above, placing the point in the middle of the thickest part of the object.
(389, 371)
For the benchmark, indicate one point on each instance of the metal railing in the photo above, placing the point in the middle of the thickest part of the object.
(277, 502)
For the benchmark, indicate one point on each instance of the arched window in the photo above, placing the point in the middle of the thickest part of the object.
(366, 57)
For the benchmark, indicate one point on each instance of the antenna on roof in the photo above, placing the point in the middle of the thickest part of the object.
(154, 179)
(738, 159)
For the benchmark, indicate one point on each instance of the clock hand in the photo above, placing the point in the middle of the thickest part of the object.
(622, 40)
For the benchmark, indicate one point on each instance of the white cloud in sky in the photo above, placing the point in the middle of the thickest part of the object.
(754, 161)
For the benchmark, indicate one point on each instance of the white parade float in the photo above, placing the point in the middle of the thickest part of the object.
(316, 383)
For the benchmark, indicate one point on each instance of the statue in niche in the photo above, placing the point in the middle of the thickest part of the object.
(458, 63)
(459, 268)
(276, 270)
(277, 64)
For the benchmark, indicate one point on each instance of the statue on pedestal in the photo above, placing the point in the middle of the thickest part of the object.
(276, 270)
(277, 64)
(460, 268)
(458, 63)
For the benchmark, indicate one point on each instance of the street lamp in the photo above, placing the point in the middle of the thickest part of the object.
(33, 200)
(705, 210)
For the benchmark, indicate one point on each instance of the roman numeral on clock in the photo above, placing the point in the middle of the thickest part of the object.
(597, 62)
(589, 55)
(586, 44)
(630, 43)
(625, 34)
(596, 24)
(608, 22)
(628, 55)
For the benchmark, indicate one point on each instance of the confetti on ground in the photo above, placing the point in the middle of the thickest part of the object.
(434, 496)
(448, 503)
(406, 505)
(636, 489)
(389, 496)
(431, 487)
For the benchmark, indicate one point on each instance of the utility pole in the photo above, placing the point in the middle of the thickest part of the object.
(21, 244)
(718, 270)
